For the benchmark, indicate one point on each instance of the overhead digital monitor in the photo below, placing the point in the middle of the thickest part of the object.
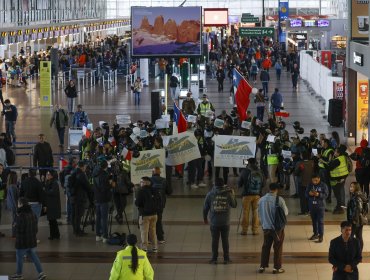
(323, 23)
(166, 31)
(216, 17)
(295, 23)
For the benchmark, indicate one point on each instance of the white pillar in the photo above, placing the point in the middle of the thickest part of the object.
(144, 71)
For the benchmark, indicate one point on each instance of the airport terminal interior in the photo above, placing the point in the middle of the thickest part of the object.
(106, 94)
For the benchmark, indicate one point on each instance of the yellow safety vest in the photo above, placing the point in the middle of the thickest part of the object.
(341, 170)
(325, 156)
(121, 268)
(204, 108)
(272, 159)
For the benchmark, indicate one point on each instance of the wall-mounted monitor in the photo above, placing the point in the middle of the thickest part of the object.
(216, 17)
(323, 23)
(310, 23)
(166, 31)
(295, 23)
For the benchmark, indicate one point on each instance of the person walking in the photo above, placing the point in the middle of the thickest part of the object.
(276, 101)
(131, 263)
(25, 239)
(266, 212)
(278, 67)
(71, 93)
(220, 75)
(53, 207)
(174, 82)
(60, 121)
(147, 214)
(251, 181)
(216, 208)
(295, 75)
(160, 184)
(260, 104)
(254, 70)
(137, 88)
(265, 79)
(316, 194)
(357, 210)
(11, 114)
(103, 183)
(80, 118)
(345, 254)
(43, 156)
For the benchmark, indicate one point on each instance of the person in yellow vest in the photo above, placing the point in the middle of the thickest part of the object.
(204, 107)
(338, 169)
(131, 263)
(325, 156)
(272, 156)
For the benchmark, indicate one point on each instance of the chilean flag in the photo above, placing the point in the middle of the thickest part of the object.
(242, 90)
(179, 119)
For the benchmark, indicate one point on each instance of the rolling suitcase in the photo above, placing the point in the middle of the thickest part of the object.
(335, 115)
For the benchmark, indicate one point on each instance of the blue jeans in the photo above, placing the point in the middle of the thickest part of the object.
(317, 217)
(10, 130)
(61, 135)
(31, 252)
(102, 219)
(173, 93)
(137, 98)
(70, 103)
(278, 73)
(216, 232)
(265, 87)
(36, 208)
(260, 112)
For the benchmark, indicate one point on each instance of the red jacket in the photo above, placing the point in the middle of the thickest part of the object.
(359, 150)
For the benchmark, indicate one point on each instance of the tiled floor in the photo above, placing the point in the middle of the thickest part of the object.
(187, 248)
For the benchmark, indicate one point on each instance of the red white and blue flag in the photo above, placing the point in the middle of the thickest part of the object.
(242, 90)
(179, 119)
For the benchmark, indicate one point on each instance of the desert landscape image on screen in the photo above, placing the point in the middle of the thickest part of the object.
(161, 31)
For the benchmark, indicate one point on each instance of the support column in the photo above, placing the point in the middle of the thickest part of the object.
(144, 71)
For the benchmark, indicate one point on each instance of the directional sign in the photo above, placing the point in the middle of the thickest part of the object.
(250, 19)
(256, 31)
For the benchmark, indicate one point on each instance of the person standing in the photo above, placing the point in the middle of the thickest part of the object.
(265, 79)
(71, 93)
(11, 114)
(362, 157)
(160, 184)
(103, 183)
(12, 195)
(220, 75)
(188, 105)
(357, 209)
(252, 181)
(53, 207)
(345, 254)
(216, 207)
(131, 263)
(138, 86)
(325, 156)
(174, 82)
(260, 104)
(276, 101)
(203, 108)
(266, 212)
(43, 156)
(295, 75)
(25, 239)
(316, 194)
(60, 120)
(147, 214)
(80, 118)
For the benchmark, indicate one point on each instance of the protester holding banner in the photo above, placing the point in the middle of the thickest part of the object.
(195, 166)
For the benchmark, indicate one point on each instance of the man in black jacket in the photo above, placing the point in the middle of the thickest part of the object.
(345, 254)
(32, 189)
(43, 156)
(103, 183)
(147, 214)
(80, 191)
(11, 114)
(160, 184)
(25, 240)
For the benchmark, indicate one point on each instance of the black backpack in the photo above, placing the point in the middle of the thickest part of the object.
(71, 182)
(365, 158)
(157, 200)
(280, 218)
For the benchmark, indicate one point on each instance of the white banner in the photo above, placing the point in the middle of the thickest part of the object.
(181, 148)
(143, 165)
(231, 151)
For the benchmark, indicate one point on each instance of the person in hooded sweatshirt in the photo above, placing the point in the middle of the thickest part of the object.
(362, 172)
(216, 208)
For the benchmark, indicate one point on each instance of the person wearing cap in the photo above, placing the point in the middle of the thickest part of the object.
(43, 156)
(131, 263)
(204, 107)
(188, 105)
(60, 120)
(216, 209)
(174, 82)
(11, 114)
(338, 170)
(80, 118)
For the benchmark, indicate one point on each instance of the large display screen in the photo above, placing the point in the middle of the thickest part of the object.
(216, 17)
(295, 23)
(166, 31)
(323, 23)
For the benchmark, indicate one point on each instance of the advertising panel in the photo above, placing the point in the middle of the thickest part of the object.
(166, 31)
(45, 83)
(360, 18)
(326, 58)
(216, 17)
(362, 109)
(231, 151)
